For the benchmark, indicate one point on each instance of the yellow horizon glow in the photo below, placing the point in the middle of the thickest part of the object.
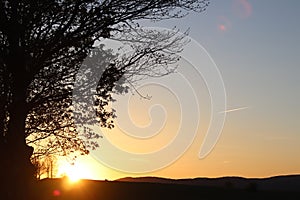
(76, 171)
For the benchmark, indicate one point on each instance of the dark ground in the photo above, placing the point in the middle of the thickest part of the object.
(91, 190)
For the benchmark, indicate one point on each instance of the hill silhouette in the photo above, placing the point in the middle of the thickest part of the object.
(279, 183)
(161, 188)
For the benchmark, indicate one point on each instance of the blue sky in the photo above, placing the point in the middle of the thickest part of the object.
(259, 58)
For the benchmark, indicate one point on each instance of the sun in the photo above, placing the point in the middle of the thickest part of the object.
(74, 172)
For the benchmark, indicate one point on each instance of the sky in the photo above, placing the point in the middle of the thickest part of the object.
(255, 47)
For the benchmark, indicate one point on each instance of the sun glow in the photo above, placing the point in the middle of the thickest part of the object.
(74, 172)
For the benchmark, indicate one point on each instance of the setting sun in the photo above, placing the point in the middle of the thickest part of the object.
(74, 172)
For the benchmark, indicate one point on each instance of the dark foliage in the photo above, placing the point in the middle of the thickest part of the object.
(42, 46)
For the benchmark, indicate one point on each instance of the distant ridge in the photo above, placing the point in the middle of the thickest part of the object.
(155, 188)
(278, 183)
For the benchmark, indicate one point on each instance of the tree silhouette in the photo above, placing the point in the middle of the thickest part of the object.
(45, 166)
(42, 46)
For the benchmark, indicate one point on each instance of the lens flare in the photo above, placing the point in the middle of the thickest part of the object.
(242, 8)
(222, 27)
(223, 24)
(56, 193)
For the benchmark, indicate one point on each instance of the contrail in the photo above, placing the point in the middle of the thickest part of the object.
(235, 109)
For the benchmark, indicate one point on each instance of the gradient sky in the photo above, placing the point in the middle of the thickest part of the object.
(256, 46)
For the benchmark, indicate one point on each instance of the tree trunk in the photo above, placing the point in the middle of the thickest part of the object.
(17, 172)
(17, 175)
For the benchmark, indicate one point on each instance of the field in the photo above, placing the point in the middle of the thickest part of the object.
(92, 190)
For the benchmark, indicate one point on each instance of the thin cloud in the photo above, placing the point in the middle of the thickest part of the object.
(235, 109)
(277, 138)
